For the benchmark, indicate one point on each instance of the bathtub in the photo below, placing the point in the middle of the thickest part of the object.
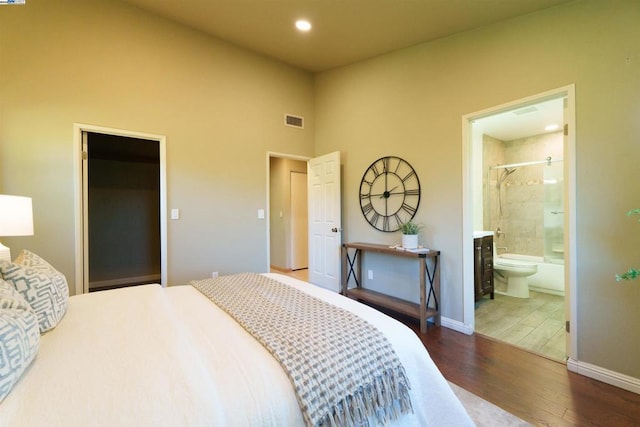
(549, 278)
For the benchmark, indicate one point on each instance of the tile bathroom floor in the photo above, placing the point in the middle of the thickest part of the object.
(535, 324)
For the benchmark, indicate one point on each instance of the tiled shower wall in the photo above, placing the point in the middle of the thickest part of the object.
(517, 207)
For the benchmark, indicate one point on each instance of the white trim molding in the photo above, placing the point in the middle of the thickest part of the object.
(616, 379)
(155, 278)
(456, 325)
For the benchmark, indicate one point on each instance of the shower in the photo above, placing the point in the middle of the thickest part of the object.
(503, 175)
(531, 209)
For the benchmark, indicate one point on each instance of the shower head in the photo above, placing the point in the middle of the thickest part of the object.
(505, 173)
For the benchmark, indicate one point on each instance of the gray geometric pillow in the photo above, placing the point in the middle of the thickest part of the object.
(41, 285)
(19, 337)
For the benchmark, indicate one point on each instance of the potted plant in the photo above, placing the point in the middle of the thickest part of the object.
(633, 273)
(410, 232)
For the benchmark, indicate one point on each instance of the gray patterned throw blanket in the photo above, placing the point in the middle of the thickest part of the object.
(343, 369)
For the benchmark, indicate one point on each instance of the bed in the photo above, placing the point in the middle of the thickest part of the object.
(149, 355)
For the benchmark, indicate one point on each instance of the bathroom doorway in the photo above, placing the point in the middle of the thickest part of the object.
(520, 191)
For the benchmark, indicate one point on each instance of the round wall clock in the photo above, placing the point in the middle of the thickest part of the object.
(389, 193)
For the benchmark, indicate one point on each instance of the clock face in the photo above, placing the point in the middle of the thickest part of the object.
(389, 193)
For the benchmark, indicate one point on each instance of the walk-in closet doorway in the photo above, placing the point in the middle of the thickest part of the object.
(122, 206)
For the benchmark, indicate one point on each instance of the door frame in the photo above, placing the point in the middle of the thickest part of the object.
(570, 274)
(81, 259)
(271, 154)
(292, 254)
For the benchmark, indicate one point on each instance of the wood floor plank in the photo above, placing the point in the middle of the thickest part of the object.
(537, 389)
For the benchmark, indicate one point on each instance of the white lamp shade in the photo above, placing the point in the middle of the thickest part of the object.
(16, 216)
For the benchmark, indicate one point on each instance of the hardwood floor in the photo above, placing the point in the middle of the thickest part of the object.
(538, 390)
(302, 274)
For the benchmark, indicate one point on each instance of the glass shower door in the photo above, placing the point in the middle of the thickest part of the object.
(554, 213)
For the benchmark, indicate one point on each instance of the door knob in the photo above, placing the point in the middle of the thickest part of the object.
(334, 229)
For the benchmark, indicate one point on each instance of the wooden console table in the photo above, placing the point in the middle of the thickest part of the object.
(352, 268)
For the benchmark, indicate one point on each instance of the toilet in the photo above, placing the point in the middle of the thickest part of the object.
(511, 276)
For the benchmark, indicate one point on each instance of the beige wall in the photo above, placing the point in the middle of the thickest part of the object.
(409, 103)
(108, 64)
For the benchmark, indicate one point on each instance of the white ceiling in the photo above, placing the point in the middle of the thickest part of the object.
(521, 122)
(344, 31)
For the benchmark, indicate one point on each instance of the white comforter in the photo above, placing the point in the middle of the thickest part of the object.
(169, 357)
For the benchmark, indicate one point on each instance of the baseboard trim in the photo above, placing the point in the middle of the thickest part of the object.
(625, 382)
(280, 269)
(124, 280)
(456, 325)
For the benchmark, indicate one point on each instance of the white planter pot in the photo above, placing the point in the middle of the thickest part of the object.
(410, 241)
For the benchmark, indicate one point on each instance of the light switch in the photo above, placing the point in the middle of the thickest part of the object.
(175, 213)
(260, 213)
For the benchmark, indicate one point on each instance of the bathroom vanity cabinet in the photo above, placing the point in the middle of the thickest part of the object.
(483, 266)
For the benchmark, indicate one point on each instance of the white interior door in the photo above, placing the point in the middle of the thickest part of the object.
(325, 222)
(299, 221)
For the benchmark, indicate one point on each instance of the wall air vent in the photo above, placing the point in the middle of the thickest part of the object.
(294, 121)
(526, 110)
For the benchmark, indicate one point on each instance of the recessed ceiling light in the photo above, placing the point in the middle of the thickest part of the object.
(551, 127)
(303, 25)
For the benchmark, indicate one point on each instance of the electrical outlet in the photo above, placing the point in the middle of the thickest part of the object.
(370, 274)
(214, 274)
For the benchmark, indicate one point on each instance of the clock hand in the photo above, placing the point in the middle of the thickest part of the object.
(386, 194)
